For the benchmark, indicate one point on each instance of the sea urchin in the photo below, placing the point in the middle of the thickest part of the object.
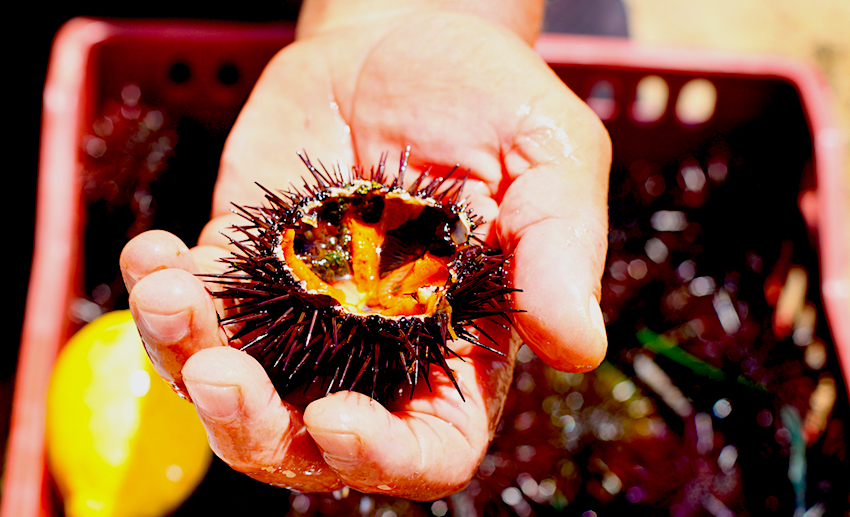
(359, 282)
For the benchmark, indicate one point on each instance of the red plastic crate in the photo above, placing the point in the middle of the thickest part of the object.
(92, 60)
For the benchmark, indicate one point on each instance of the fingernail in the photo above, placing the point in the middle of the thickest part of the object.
(596, 318)
(163, 328)
(340, 450)
(218, 402)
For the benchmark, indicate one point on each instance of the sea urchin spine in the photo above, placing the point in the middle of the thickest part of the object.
(358, 282)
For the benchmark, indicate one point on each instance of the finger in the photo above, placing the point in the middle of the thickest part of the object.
(374, 450)
(152, 251)
(249, 426)
(209, 260)
(219, 230)
(176, 318)
(562, 321)
(214, 247)
(553, 220)
(427, 447)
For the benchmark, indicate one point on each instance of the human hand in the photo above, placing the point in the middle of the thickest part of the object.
(458, 89)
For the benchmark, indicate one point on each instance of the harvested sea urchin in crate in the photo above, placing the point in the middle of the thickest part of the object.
(359, 282)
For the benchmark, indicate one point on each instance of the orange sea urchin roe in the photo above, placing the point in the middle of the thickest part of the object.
(302, 271)
(366, 240)
(408, 290)
(394, 290)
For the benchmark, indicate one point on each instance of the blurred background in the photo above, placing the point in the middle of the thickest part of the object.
(812, 31)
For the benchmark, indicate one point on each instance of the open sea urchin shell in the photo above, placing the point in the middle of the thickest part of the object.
(358, 282)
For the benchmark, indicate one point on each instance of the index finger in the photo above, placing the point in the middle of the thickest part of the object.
(172, 309)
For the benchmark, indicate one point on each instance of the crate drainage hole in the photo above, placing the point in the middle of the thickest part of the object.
(180, 73)
(228, 74)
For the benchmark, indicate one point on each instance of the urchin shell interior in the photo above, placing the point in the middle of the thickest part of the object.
(357, 281)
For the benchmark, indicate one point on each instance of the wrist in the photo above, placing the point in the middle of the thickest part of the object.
(523, 17)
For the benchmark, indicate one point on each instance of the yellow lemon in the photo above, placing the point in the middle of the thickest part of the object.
(120, 442)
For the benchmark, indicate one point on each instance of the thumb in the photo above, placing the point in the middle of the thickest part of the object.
(557, 232)
(562, 321)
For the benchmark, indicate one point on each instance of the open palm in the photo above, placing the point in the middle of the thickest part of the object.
(457, 89)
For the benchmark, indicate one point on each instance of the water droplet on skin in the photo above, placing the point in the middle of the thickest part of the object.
(556, 133)
(338, 117)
